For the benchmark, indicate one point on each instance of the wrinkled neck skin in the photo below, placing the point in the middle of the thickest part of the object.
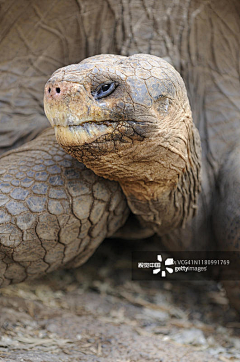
(163, 206)
(172, 208)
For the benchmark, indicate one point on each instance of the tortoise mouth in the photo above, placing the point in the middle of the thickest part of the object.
(84, 133)
(93, 123)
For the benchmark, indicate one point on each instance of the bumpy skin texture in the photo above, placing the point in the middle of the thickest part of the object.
(53, 210)
(201, 38)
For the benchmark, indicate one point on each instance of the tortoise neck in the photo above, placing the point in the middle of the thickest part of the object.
(172, 207)
(164, 205)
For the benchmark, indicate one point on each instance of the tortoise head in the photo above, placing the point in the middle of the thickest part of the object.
(126, 118)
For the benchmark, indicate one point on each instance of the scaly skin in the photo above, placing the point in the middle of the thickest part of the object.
(53, 210)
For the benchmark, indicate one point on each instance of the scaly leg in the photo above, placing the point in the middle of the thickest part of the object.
(53, 210)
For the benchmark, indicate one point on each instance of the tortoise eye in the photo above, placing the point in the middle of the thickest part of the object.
(104, 90)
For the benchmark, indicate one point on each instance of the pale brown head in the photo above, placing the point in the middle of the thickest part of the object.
(126, 118)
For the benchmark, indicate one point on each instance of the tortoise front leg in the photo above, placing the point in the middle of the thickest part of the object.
(226, 216)
(53, 210)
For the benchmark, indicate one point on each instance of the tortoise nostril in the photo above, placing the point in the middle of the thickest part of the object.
(49, 90)
(58, 90)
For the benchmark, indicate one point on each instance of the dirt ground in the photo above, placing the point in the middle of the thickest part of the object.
(97, 313)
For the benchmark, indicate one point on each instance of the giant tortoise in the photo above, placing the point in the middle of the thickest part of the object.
(127, 119)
